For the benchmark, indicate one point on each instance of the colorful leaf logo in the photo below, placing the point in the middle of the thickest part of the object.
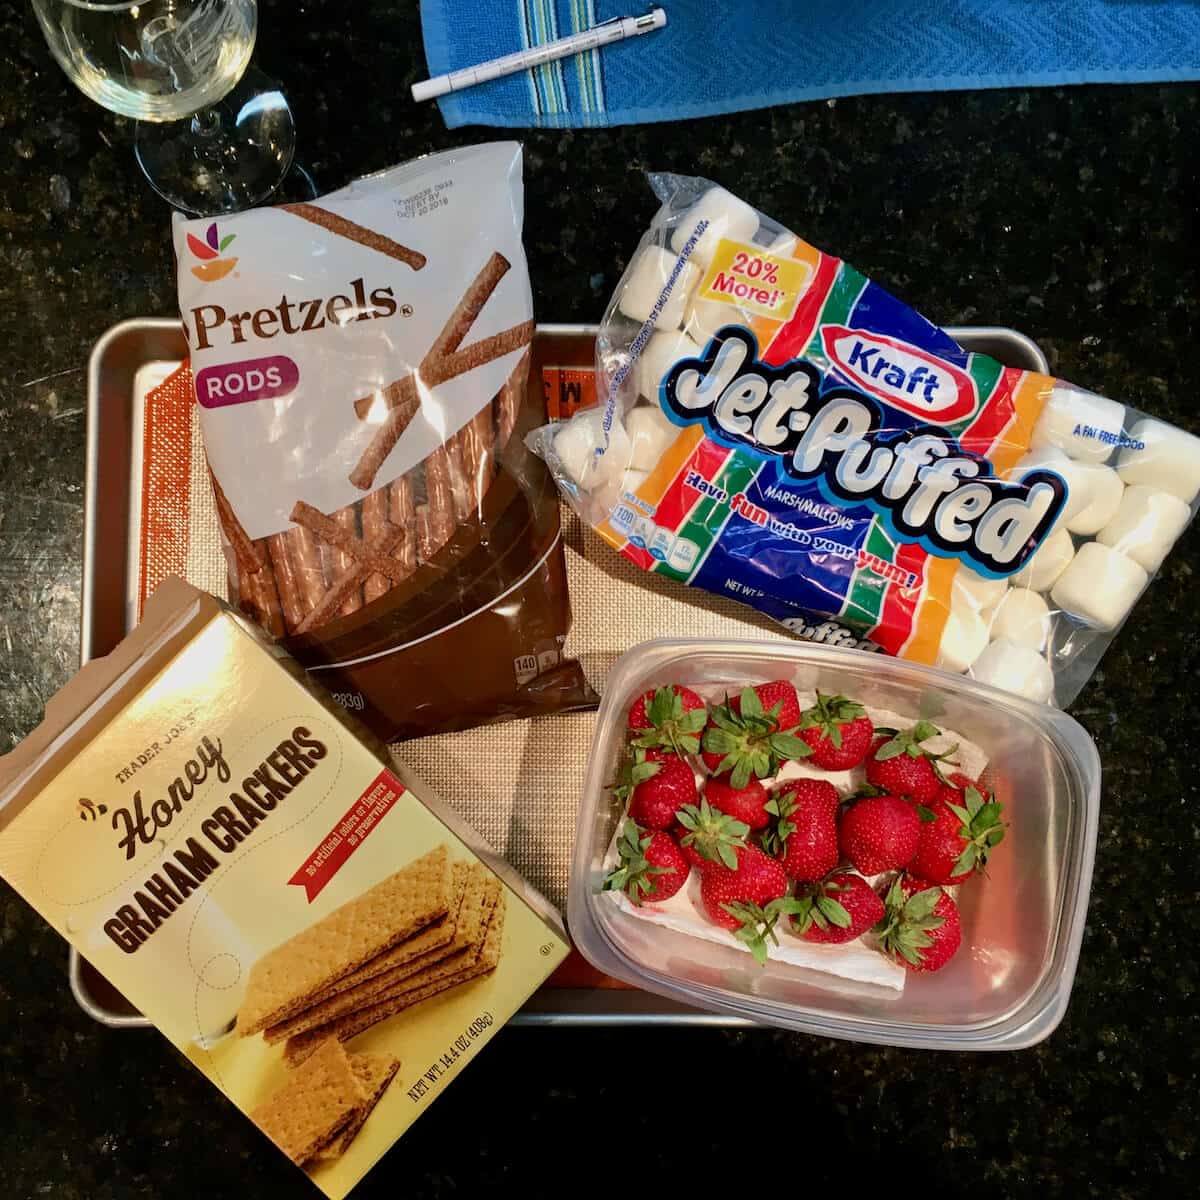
(199, 249)
(212, 245)
(210, 266)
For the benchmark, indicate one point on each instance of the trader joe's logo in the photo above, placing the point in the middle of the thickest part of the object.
(900, 374)
(211, 265)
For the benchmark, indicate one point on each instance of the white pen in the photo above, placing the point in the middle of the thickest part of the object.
(615, 30)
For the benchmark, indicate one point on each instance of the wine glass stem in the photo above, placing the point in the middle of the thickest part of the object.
(206, 123)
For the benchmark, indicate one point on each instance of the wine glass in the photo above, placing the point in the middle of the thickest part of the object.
(163, 61)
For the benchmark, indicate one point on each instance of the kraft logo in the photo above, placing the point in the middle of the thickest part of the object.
(211, 266)
(900, 374)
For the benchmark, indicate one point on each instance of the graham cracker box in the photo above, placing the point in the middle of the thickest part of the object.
(304, 922)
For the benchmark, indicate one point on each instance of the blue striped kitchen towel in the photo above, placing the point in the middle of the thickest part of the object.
(719, 56)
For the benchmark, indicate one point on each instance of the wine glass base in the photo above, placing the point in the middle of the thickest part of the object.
(230, 156)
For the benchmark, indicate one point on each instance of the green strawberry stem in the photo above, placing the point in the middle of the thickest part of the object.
(747, 740)
(714, 834)
(819, 908)
(635, 876)
(758, 923)
(775, 836)
(635, 769)
(829, 714)
(904, 929)
(671, 726)
(908, 741)
(981, 829)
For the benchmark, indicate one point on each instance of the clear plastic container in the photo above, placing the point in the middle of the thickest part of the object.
(1009, 984)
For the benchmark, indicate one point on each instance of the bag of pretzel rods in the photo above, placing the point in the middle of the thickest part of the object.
(360, 367)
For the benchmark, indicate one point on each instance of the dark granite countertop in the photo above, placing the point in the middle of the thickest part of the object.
(1068, 214)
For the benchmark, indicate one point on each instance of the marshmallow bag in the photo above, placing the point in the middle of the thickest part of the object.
(775, 427)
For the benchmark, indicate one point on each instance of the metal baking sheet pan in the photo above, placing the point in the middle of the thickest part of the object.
(125, 364)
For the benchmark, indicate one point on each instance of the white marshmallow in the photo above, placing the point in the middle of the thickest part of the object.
(1048, 562)
(727, 217)
(1145, 525)
(633, 480)
(578, 445)
(975, 590)
(1068, 412)
(659, 355)
(1106, 488)
(651, 434)
(1169, 459)
(1079, 492)
(783, 245)
(963, 640)
(1023, 618)
(1100, 586)
(645, 280)
(705, 317)
(1017, 669)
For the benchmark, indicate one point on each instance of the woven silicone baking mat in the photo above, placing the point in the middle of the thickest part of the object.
(516, 782)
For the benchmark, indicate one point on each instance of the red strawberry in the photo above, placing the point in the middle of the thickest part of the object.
(958, 831)
(706, 835)
(745, 740)
(746, 804)
(837, 909)
(805, 835)
(899, 764)
(670, 717)
(749, 900)
(920, 929)
(839, 732)
(779, 700)
(657, 786)
(711, 759)
(879, 833)
(652, 866)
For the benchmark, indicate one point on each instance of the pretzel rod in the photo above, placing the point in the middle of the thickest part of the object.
(313, 521)
(403, 516)
(306, 554)
(436, 367)
(243, 548)
(401, 391)
(459, 323)
(341, 559)
(439, 500)
(424, 534)
(460, 490)
(486, 350)
(328, 606)
(326, 552)
(473, 445)
(372, 239)
(404, 402)
(291, 600)
(508, 403)
(375, 508)
(259, 595)
(388, 434)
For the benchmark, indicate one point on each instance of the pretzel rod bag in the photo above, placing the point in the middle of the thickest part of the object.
(217, 838)
(351, 349)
